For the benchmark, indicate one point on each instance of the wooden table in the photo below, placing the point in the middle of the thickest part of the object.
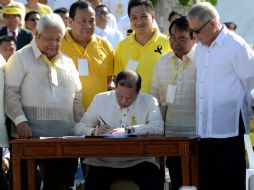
(32, 149)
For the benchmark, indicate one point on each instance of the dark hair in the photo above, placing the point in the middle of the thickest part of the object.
(28, 14)
(102, 6)
(133, 3)
(79, 5)
(61, 10)
(129, 79)
(6, 38)
(173, 13)
(182, 24)
(231, 25)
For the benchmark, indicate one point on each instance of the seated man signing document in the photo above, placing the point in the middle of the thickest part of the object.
(123, 110)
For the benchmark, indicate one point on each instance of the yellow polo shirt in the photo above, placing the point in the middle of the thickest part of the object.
(100, 57)
(43, 9)
(146, 56)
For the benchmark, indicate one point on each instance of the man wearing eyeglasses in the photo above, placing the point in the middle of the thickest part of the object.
(102, 29)
(225, 77)
(173, 85)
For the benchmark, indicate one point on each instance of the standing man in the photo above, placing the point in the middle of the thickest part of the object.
(92, 55)
(225, 77)
(43, 95)
(140, 51)
(12, 17)
(115, 112)
(173, 84)
(103, 30)
(4, 142)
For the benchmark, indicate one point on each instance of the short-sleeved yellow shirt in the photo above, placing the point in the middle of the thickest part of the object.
(43, 9)
(146, 56)
(100, 56)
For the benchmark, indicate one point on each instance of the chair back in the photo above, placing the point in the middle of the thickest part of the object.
(250, 152)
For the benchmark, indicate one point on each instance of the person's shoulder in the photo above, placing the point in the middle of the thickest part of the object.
(147, 99)
(104, 96)
(25, 31)
(100, 40)
(3, 29)
(65, 56)
(162, 37)
(165, 58)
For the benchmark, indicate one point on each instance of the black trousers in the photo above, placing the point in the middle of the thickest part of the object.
(58, 174)
(175, 171)
(222, 162)
(146, 175)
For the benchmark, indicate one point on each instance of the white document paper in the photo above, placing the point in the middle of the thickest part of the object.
(171, 93)
(83, 67)
(132, 65)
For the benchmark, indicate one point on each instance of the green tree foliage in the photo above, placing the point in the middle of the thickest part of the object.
(189, 2)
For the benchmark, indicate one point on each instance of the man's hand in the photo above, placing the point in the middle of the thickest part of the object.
(5, 164)
(118, 131)
(104, 129)
(24, 131)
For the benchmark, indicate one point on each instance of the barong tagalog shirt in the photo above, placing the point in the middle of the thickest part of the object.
(46, 94)
(131, 55)
(4, 142)
(181, 112)
(144, 111)
(225, 78)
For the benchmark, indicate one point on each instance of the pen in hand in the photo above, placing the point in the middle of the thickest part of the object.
(105, 128)
(102, 120)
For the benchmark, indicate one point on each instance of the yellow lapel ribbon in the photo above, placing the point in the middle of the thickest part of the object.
(53, 72)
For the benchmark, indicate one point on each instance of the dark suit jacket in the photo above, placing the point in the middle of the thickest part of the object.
(24, 36)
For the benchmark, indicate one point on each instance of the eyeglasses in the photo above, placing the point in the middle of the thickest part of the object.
(180, 40)
(199, 30)
(101, 12)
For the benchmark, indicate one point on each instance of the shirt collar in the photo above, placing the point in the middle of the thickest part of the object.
(10, 33)
(220, 38)
(189, 55)
(38, 53)
(153, 39)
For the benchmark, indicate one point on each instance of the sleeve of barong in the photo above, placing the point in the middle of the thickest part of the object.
(14, 76)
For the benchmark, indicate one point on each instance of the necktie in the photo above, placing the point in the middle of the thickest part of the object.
(13, 35)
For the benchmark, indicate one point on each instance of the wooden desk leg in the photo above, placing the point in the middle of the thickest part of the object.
(16, 168)
(31, 174)
(186, 171)
(194, 171)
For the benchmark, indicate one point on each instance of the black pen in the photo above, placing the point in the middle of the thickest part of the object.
(102, 120)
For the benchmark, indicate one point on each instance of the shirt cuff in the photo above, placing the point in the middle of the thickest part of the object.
(19, 119)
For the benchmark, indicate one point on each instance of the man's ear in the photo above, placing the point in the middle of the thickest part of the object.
(71, 21)
(36, 35)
